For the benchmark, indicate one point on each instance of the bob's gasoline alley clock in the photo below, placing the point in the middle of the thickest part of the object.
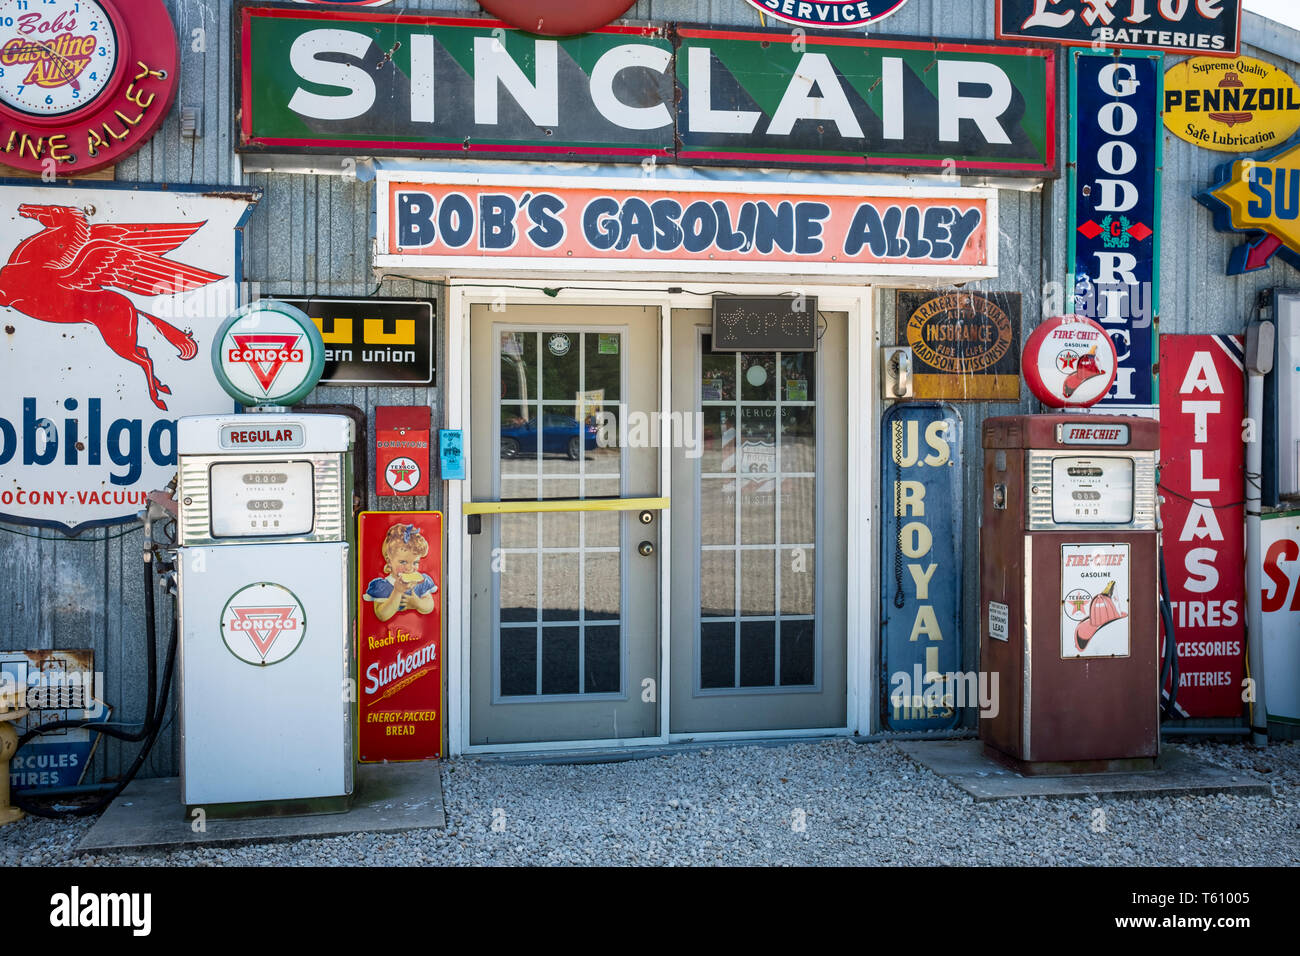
(83, 83)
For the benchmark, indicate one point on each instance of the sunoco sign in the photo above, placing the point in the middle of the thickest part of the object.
(108, 298)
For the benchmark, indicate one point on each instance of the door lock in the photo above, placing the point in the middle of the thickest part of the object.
(647, 517)
(645, 549)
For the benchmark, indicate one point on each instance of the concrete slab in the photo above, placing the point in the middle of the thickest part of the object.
(964, 764)
(387, 798)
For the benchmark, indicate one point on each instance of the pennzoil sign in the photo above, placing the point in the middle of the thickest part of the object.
(965, 345)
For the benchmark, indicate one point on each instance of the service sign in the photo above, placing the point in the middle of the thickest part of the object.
(400, 633)
(921, 567)
(109, 298)
(1179, 26)
(965, 345)
(52, 685)
(388, 84)
(1280, 603)
(372, 341)
(828, 14)
(478, 224)
(1114, 210)
(1258, 197)
(1202, 468)
(83, 83)
(1233, 106)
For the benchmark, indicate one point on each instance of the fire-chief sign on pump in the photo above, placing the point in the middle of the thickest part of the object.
(400, 631)
(109, 298)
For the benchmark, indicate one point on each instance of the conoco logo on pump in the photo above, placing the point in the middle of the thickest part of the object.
(263, 623)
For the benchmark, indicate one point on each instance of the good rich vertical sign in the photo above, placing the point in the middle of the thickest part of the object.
(921, 567)
(1202, 469)
(399, 627)
(1114, 209)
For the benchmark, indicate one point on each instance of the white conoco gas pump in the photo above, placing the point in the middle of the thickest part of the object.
(265, 539)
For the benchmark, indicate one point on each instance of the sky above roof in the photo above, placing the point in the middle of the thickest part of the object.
(1283, 11)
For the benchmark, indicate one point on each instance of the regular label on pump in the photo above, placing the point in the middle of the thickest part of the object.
(1095, 600)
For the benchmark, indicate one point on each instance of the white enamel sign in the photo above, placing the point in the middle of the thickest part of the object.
(1094, 600)
(109, 298)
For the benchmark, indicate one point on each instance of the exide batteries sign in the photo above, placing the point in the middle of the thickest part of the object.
(1202, 471)
(1115, 197)
(109, 297)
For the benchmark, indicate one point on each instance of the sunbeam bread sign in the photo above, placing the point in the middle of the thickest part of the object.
(109, 298)
(383, 84)
(473, 224)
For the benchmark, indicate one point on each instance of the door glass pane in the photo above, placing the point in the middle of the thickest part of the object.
(560, 573)
(758, 520)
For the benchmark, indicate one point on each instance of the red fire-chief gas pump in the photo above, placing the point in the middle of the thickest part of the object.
(1068, 591)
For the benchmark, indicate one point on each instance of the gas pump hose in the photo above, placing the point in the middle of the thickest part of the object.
(1170, 665)
(154, 710)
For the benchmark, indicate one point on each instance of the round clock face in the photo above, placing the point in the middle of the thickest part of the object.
(56, 56)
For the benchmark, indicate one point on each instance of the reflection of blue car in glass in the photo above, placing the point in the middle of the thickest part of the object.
(560, 434)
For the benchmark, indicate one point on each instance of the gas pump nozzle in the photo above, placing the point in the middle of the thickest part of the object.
(160, 505)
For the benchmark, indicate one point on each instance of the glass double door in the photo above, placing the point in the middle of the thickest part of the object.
(565, 578)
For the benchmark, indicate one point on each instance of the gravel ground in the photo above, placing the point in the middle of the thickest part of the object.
(825, 803)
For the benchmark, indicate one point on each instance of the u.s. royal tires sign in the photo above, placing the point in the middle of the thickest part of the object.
(109, 297)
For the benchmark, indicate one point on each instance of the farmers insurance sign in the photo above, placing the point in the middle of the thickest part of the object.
(109, 298)
(1179, 26)
(495, 224)
(379, 84)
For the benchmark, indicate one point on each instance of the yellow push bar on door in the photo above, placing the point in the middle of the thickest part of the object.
(567, 504)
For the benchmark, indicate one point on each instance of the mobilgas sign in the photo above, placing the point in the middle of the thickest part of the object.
(477, 224)
(921, 567)
(109, 296)
(1179, 26)
(1115, 209)
(383, 84)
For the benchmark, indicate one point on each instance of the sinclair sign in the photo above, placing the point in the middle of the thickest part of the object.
(379, 84)
(108, 296)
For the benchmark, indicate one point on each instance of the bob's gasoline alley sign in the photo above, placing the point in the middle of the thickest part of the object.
(965, 345)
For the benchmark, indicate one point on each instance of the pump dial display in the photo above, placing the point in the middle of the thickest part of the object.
(1092, 491)
(254, 500)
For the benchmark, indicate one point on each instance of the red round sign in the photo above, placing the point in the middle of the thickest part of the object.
(83, 83)
(557, 18)
(1069, 362)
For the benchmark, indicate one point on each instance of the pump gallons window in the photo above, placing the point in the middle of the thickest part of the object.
(261, 499)
(559, 586)
(1092, 490)
(758, 521)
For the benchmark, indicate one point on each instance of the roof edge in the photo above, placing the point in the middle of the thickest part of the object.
(1269, 35)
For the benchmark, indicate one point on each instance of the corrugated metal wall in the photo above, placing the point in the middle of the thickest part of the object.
(311, 235)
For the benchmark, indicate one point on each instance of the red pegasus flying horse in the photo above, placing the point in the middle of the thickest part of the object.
(63, 274)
